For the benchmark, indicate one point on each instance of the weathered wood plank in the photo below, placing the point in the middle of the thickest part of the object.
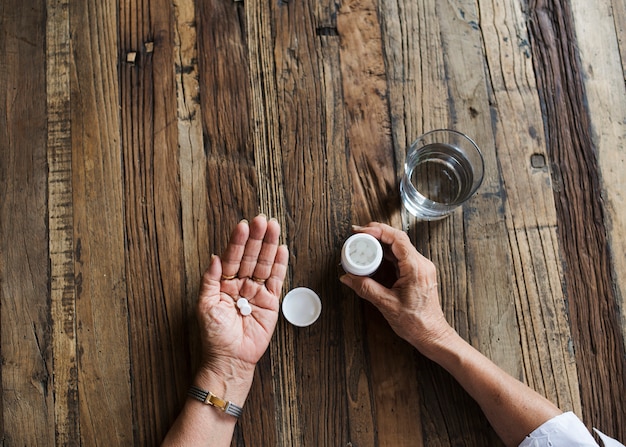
(61, 224)
(374, 195)
(26, 391)
(342, 309)
(226, 84)
(530, 209)
(192, 161)
(365, 91)
(588, 281)
(428, 47)
(104, 392)
(486, 301)
(601, 24)
(303, 110)
(226, 116)
(313, 191)
(154, 244)
(269, 171)
(373, 168)
(458, 57)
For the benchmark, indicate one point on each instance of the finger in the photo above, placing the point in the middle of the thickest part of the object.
(399, 242)
(265, 261)
(267, 295)
(258, 228)
(385, 233)
(279, 270)
(231, 259)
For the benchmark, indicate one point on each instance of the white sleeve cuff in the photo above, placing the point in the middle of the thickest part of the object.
(565, 430)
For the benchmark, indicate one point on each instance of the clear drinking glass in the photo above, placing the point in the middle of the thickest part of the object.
(443, 169)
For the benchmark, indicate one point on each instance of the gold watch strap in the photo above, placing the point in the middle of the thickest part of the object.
(209, 398)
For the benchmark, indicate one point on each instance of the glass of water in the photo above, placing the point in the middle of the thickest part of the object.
(443, 169)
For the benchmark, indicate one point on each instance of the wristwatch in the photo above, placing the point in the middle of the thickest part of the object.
(209, 398)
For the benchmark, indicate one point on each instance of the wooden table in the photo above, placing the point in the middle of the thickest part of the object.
(134, 135)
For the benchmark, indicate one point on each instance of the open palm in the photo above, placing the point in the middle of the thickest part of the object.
(252, 267)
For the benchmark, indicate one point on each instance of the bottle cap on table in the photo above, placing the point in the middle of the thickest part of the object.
(301, 307)
(361, 254)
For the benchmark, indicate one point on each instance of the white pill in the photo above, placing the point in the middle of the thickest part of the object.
(245, 310)
(241, 302)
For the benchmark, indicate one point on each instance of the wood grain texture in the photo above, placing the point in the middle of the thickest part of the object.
(531, 219)
(268, 152)
(374, 196)
(606, 96)
(102, 331)
(477, 298)
(192, 161)
(61, 224)
(154, 244)
(27, 394)
(136, 134)
(595, 319)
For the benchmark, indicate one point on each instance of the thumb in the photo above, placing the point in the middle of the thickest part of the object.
(215, 268)
(366, 288)
(211, 277)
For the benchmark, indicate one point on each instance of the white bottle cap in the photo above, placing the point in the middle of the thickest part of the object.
(301, 306)
(361, 254)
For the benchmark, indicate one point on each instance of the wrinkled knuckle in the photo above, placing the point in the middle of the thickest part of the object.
(405, 252)
(403, 237)
(363, 289)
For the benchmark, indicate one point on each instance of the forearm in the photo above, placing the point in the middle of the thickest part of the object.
(513, 409)
(199, 424)
(412, 308)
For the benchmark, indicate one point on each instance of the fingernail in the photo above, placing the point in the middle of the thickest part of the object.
(244, 221)
(357, 227)
(263, 215)
(344, 279)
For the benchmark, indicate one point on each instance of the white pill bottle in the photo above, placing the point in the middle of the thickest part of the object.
(361, 254)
